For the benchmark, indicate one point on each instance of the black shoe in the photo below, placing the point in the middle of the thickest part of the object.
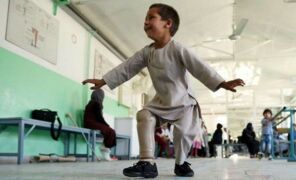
(184, 170)
(141, 169)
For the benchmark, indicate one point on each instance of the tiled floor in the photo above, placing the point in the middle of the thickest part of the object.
(205, 169)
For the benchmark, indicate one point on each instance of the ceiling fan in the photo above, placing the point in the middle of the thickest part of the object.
(236, 33)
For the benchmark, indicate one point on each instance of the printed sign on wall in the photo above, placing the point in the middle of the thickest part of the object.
(32, 29)
(102, 65)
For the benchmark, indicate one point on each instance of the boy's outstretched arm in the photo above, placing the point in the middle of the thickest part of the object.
(98, 83)
(230, 85)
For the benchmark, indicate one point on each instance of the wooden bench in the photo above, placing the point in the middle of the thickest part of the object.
(123, 143)
(26, 126)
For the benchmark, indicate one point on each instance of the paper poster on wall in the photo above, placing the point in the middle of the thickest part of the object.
(32, 29)
(101, 66)
(125, 95)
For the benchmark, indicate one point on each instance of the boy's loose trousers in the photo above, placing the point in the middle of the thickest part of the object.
(186, 129)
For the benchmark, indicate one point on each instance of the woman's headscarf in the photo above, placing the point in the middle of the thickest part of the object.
(98, 96)
(250, 126)
(219, 126)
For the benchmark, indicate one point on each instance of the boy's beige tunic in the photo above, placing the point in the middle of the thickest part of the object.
(168, 68)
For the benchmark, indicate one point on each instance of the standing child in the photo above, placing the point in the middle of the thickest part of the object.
(267, 133)
(168, 63)
(196, 146)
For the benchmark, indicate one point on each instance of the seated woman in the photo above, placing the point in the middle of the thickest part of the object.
(216, 140)
(163, 139)
(93, 119)
(249, 138)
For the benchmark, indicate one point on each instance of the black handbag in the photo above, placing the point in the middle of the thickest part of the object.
(48, 116)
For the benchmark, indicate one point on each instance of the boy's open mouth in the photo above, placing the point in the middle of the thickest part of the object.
(147, 28)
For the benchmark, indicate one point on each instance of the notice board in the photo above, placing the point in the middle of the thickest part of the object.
(32, 29)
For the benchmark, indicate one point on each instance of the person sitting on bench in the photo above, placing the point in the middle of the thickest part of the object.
(93, 119)
(249, 138)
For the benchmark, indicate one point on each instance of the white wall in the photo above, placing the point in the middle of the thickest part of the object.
(211, 122)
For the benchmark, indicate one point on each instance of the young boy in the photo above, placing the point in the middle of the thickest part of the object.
(168, 63)
(267, 133)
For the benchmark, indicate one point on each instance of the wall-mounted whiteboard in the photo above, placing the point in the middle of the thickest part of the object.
(32, 29)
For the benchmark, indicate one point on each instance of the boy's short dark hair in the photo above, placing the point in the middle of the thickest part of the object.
(167, 12)
(267, 111)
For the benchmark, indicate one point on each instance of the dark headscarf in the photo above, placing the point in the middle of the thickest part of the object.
(219, 126)
(248, 134)
(217, 136)
(250, 127)
(98, 96)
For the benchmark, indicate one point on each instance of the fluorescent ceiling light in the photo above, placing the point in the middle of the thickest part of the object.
(289, 1)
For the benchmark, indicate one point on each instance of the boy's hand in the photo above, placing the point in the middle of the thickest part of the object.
(230, 85)
(98, 83)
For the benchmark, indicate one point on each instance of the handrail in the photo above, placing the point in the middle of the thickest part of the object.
(278, 113)
(284, 119)
(291, 111)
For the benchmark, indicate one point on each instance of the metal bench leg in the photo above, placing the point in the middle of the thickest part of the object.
(115, 149)
(75, 144)
(87, 147)
(67, 145)
(21, 134)
(129, 149)
(93, 143)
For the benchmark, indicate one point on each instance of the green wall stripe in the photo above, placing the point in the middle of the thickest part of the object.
(25, 86)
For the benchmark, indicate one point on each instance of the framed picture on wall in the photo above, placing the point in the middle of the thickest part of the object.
(125, 95)
(32, 29)
(101, 66)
